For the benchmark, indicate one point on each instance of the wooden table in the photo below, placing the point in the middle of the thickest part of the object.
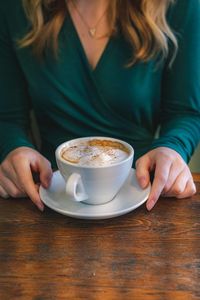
(140, 255)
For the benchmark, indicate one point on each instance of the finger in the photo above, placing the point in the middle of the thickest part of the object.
(45, 172)
(9, 172)
(189, 191)
(174, 173)
(43, 167)
(3, 193)
(10, 188)
(26, 180)
(160, 178)
(179, 185)
(143, 166)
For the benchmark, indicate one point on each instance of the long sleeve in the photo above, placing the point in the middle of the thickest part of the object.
(14, 99)
(180, 110)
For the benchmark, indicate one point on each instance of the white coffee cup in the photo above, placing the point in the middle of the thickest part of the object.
(94, 184)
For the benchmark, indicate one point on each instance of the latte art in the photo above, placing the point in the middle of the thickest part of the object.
(95, 153)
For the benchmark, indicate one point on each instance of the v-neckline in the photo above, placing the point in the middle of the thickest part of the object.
(103, 54)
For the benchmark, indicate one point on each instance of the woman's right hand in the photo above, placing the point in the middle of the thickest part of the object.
(16, 178)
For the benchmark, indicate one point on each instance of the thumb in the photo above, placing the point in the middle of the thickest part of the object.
(143, 166)
(45, 172)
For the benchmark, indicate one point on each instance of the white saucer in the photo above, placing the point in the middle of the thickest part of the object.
(129, 198)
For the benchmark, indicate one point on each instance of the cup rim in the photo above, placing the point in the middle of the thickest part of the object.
(61, 146)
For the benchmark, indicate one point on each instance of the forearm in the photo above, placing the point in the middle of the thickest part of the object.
(181, 133)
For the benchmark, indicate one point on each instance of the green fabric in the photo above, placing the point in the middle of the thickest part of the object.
(71, 100)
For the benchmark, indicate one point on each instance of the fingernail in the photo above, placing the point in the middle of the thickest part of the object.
(143, 182)
(45, 184)
(41, 207)
(48, 182)
(150, 205)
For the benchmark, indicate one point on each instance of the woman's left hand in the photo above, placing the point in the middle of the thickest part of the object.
(172, 176)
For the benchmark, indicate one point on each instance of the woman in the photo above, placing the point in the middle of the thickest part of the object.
(118, 68)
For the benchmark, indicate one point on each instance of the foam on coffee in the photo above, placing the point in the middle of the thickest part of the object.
(95, 153)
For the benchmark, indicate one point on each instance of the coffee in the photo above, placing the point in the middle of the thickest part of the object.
(95, 152)
(94, 168)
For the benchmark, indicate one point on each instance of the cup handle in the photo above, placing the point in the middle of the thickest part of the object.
(75, 188)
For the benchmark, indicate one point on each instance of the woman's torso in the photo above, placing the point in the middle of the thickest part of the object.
(72, 100)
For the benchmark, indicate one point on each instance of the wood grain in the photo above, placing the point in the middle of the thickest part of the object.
(141, 255)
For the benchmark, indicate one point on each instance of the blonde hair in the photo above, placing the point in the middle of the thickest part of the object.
(143, 23)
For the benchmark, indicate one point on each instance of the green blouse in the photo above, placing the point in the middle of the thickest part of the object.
(71, 100)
